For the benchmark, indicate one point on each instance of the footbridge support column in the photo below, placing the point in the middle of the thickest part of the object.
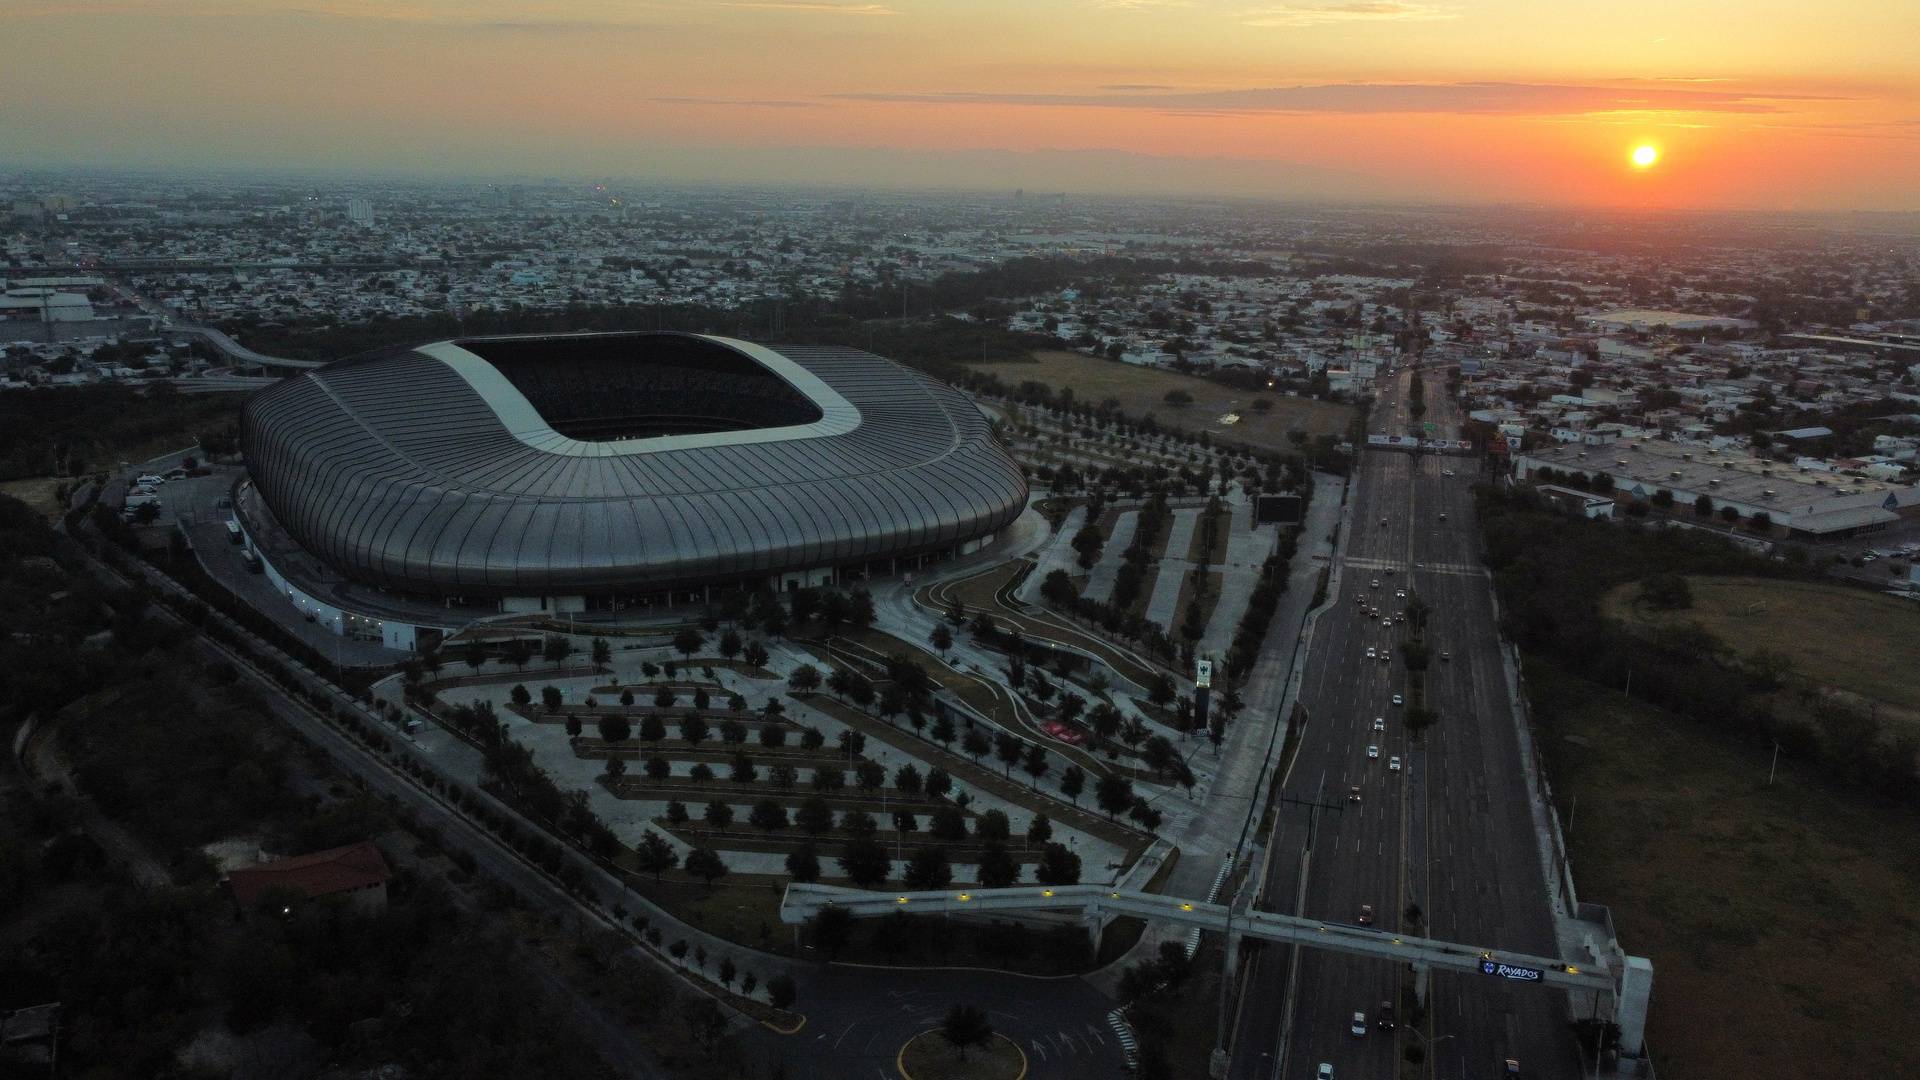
(1630, 1005)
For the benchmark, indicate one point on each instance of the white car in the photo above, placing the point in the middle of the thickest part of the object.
(1397, 700)
(1393, 764)
(1388, 621)
(1375, 585)
(1371, 653)
(1374, 752)
(1400, 594)
(1324, 1072)
(1379, 723)
(1446, 472)
(1359, 1025)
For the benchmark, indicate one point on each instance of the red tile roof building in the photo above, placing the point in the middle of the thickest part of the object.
(357, 870)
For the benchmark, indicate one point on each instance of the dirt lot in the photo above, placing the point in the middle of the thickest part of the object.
(1143, 390)
(1856, 641)
(1777, 918)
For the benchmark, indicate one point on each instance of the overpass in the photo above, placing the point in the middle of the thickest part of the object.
(239, 354)
(1629, 979)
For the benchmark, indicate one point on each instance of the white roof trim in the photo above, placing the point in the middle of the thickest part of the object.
(838, 416)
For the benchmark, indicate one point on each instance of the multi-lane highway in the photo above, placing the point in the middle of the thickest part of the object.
(1448, 832)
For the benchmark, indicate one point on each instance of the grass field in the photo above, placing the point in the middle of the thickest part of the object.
(37, 493)
(1778, 919)
(1143, 390)
(929, 1056)
(1856, 641)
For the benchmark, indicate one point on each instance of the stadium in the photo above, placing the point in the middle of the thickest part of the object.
(599, 472)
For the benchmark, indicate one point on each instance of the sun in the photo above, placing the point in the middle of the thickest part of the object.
(1645, 155)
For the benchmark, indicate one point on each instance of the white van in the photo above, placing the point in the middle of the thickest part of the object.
(149, 480)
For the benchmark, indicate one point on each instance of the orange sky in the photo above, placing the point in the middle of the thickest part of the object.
(1764, 104)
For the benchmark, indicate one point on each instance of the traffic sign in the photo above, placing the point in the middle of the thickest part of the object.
(1509, 971)
(1431, 428)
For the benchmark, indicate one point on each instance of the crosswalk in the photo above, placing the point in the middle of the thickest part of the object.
(1123, 1031)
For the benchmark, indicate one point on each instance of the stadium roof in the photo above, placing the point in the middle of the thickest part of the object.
(595, 463)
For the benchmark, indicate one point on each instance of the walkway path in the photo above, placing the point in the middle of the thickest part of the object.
(1247, 548)
(1058, 554)
(1173, 569)
(1100, 581)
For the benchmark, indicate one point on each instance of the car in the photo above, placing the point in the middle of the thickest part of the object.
(1359, 1024)
(1388, 621)
(1384, 1017)
(1324, 1072)
(1398, 700)
(1513, 1067)
(1374, 584)
(1365, 918)
(1353, 793)
(1446, 472)
(1447, 657)
(1383, 521)
(1393, 764)
(1400, 594)
(1443, 517)
(1379, 723)
(1373, 751)
(1388, 571)
(1371, 653)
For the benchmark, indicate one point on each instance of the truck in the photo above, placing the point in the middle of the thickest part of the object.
(252, 561)
(234, 535)
(142, 498)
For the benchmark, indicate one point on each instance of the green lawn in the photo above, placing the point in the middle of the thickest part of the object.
(1779, 919)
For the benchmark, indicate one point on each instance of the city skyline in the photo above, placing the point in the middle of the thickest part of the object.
(1774, 107)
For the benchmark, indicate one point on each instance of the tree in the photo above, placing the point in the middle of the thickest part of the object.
(1039, 830)
(1666, 592)
(814, 816)
(602, 652)
(655, 855)
(928, 868)
(803, 865)
(676, 812)
(755, 656)
(573, 726)
(705, 864)
(773, 736)
(554, 649)
(742, 770)
(938, 782)
(731, 644)
(521, 696)
(993, 825)
(804, 679)
(858, 823)
(975, 743)
(966, 1025)
(948, 823)
(1007, 748)
(1418, 719)
(1114, 794)
(997, 868)
(907, 780)
(1703, 506)
(475, 654)
(780, 989)
(664, 698)
(688, 641)
(1058, 866)
(943, 732)
(733, 732)
(1072, 782)
(615, 729)
(693, 729)
(719, 815)
(652, 729)
(727, 971)
(1036, 764)
(658, 768)
(550, 698)
(865, 862)
(768, 816)
(615, 769)
(941, 639)
(1160, 691)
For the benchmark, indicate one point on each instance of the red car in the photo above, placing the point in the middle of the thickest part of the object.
(1069, 735)
(1366, 914)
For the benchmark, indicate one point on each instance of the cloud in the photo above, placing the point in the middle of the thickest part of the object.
(1134, 87)
(804, 7)
(1344, 11)
(755, 103)
(1470, 98)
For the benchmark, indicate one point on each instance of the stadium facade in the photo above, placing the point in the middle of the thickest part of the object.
(600, 472)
